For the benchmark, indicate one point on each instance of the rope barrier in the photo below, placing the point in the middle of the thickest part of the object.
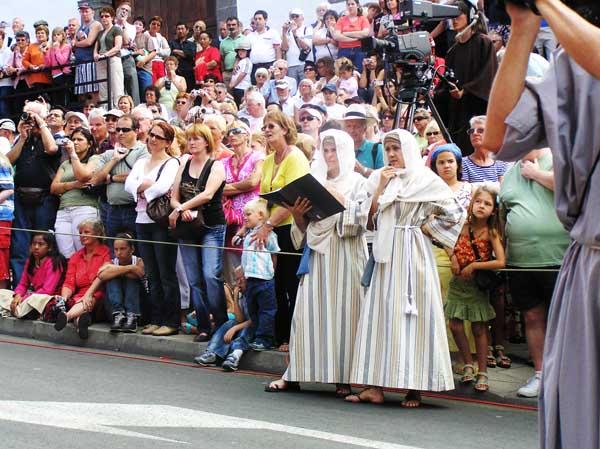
(197, 245)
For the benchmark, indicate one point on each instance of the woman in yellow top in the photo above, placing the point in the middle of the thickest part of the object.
(285, 164)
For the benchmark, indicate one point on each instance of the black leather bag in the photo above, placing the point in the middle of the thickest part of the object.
(31, 196)
(160, 208)
(191, 230)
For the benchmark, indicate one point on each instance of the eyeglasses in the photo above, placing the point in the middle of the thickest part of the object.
(432, 133)
(182, 102)
(151, 134)
(294, 16)
(387, 117)
(419, 118)
(111, 119)
(309, 69)
(154, 111)
(124, 130)
(236, 131)
(476, 131)
(268, 126)
(307, 118)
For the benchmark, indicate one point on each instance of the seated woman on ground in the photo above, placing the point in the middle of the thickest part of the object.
(42, 276)
(82, 290)
(123, 283)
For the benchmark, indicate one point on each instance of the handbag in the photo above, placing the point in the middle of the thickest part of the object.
(485, 280)
(160, 208)
(191, 230)
(31, 196)
(303, 53)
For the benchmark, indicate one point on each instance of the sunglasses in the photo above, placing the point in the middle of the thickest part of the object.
(154, 111)
(269, 126)
(124, 130)
(309, 69)
(419, 118)
(307, 118)
(182, 102)
(476, 131)
(236, 131)
(151, 134)
(105, 16)
(294, 16)
(388, 117)
(111, 119)
(432, 133)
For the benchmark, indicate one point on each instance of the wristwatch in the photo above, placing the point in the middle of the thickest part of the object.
(179, 209)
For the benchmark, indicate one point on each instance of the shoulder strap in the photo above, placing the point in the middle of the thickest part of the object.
(203, 178)
(374, 153)
(475, 250)
(163, 166)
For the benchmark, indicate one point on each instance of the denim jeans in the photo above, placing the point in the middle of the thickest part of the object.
(203, 267)
(159, 262)
(222, 349)
(131, 79)
(356, 55)
(262, 307)
(120, 219)
(41, 217)
(123, 295)
(5, 104)
(144, 80)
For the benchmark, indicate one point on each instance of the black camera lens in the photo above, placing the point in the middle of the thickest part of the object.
(168, 84)
(25, 117)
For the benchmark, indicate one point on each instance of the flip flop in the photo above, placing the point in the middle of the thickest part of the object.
(290, 387)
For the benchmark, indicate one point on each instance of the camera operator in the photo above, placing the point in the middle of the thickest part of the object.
(36, 158)
(562, 112)
(473, 60)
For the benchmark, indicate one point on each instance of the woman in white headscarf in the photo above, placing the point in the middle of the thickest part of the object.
(401, 340)
(330, 295)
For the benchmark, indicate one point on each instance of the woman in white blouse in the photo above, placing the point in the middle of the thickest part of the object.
(150, 179)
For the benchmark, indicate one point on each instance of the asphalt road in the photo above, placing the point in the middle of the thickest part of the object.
(67, 399)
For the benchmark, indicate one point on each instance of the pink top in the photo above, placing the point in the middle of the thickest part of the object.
(44, 280)
(245, 169)
(350, 85)
(59, 56)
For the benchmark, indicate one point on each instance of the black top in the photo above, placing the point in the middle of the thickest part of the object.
(190, 187)
(186, 62)
(35, 168)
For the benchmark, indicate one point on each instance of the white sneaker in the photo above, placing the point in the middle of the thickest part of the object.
(531, 389)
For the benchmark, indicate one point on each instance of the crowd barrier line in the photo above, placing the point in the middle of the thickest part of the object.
(228, 248)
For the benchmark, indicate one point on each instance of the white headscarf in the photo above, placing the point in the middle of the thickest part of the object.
(319, 232)
(415, 183)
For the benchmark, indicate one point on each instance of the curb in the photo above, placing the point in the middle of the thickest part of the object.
(182, 348)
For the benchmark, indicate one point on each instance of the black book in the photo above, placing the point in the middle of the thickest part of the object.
(324, 204)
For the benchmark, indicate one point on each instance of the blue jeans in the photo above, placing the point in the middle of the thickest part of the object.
(5, 104)
(222, 349)
(353, 54)
(120, 219)
(160, 261)
(26, 217)
(123, 295)
(262, 307)
(203, 267)
(144, 80)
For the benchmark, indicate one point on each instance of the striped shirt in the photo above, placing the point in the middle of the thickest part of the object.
(477, 173)
(7, 207)
(259, 265)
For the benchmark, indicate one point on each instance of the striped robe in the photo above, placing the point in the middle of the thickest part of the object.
(394, 348)
(329, 300)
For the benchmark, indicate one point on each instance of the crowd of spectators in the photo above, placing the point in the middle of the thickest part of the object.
(198, 125)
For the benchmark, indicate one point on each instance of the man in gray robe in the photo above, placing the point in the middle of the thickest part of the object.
(562, 111)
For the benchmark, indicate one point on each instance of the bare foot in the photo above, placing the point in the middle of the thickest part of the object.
(373, 395)
(342, 390)
(284, 347)
(412, 399)
(280, 385)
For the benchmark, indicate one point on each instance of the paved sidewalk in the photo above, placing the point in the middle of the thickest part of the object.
(504, 383)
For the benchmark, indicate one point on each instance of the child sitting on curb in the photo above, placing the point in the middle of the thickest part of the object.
(231, 339)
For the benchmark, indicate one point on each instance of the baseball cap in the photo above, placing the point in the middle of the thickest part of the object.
(297, 12)
(84, 4)
(282, 84)
(330, 87)
(8, 125)
(114, 112)
(80, 115)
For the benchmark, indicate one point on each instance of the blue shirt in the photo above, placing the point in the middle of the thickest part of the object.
(477, 173)
(259, 265)
(7, 208)
(364, 155)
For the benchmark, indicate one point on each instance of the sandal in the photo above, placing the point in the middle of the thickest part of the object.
(468, 373)
(501, 358)
(363, 398)
(342, 390)
(275, 387)
(482, 383)
(491, 360)
(412, 399)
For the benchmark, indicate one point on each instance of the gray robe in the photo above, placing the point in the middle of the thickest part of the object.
(563, 112)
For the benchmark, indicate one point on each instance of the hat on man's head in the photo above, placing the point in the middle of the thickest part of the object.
(80, 115)
(40, 23)
(8, 125)
(114, 112)
(330, 87)
(282, 84)
(297, 12)
(357, 112)
(84, 4)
